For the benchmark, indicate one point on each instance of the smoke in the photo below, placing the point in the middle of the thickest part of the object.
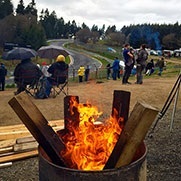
(144, 34)
(152, 38)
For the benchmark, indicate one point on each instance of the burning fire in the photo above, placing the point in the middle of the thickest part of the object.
(89, 145)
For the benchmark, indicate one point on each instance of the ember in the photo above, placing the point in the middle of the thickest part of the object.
(89, 145)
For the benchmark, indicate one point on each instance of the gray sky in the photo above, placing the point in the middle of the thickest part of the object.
(112, 12)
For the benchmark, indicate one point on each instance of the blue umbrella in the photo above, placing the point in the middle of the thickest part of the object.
(19, 53)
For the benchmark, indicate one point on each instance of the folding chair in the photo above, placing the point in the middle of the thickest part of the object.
(28, 82)
(32, 88)
(60, 83)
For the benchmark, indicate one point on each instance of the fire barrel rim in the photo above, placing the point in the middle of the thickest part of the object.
(135, 171)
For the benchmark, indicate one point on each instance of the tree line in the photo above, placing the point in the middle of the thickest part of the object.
(24, 27)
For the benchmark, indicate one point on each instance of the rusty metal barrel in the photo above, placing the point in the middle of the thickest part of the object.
(135, 171)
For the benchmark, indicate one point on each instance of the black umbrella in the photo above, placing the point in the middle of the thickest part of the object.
(19, 53)
(51, 52)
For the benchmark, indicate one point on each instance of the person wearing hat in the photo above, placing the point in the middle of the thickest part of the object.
(58, 71)
(44, 69)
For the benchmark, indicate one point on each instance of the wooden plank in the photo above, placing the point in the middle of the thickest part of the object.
(4, 165)
(38, 126)
(25, 146)
(7, 153)
(5, 150)
(12, 128)
(22, 133)
(14, 135)
(121, 102)
(133, 133)
(25, 140)
(7, 143)
(55, 123)
(71, 114)
(18, 156)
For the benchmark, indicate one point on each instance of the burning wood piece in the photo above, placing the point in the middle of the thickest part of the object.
(121, 101)
(71, 115)
(38, 126)
(132, 135)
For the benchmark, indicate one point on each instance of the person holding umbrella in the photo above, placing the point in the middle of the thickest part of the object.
(26, 73)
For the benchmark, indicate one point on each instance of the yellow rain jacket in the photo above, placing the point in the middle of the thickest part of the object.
(81, 71)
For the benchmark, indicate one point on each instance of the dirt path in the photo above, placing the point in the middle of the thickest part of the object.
(154, 91)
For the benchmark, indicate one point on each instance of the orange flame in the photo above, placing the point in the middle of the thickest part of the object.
(89, 145)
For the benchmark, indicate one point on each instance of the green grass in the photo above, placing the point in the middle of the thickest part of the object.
(102, 55)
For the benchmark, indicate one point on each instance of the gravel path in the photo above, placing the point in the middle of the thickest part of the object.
(163, 157)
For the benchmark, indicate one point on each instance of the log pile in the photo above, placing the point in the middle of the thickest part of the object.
(16, 142)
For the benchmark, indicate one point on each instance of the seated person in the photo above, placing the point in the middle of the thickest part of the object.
(58, 71)
(150, 67)
(26, 73)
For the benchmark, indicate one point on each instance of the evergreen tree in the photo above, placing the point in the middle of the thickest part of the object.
(31, 8)
(6, 8)
(20, 8)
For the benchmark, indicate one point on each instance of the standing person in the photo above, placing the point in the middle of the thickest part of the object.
(115, 68)
(129, 62)
(81, 72)
(108, 67)
(160, 65)
(26, 73)
(3, 73)
(141, 63)
(87, 71)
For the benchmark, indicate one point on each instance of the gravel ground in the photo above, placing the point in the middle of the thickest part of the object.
(163, 157)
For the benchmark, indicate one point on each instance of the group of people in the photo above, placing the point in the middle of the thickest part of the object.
(28, 73)
(130, 59)
(83, 72)
(150, 67)
(134, 59)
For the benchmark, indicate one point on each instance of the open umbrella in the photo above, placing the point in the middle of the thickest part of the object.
(19, 53)
(51, 51)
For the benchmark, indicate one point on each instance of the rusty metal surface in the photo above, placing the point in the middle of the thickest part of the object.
(136, 171)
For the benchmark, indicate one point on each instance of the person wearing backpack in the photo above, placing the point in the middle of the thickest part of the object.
(141, 63)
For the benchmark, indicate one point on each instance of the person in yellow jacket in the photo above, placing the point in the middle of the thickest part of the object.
(81, 72)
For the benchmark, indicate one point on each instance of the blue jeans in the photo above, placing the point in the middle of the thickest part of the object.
(115, 74)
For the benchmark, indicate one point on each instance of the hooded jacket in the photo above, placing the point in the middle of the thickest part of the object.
(81, 71)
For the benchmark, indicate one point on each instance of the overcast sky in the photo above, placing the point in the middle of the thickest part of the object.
(112, 12)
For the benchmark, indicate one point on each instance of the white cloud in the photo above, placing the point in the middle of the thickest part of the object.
(112, 12)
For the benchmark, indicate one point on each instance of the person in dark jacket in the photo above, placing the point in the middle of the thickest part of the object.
(160, 65)
(128, 55)
(141, 63)
(115, 67)
(3, 73)
(59, 73)
(26, 73)
(149, 67)
(87, 71)
(108, 67)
